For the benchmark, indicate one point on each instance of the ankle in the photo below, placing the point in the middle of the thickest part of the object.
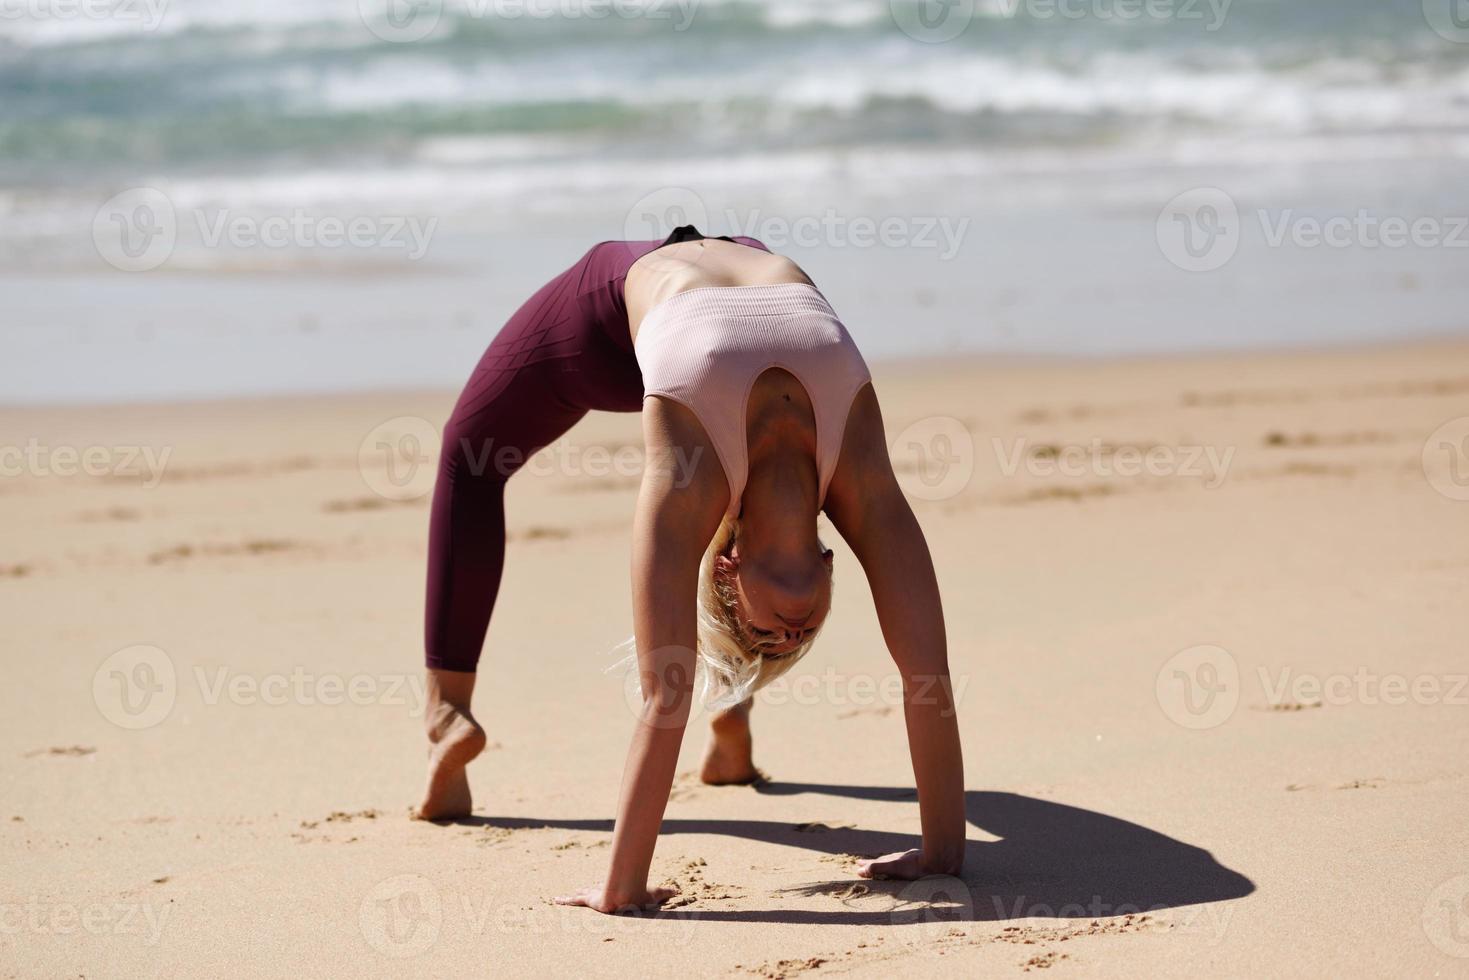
(734, 723)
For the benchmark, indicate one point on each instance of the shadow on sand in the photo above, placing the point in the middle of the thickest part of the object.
(1052, 860)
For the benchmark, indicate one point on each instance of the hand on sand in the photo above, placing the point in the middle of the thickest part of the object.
(903, 865)
(597, 897)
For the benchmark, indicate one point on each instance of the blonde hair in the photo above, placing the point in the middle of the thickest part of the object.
(733, 663)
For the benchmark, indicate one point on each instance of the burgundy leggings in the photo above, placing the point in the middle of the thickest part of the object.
(564, 353)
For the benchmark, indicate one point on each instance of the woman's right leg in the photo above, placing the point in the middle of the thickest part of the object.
(500, 422)
(729, 759)
(509, 410)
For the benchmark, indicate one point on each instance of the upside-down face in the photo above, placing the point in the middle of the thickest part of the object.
(781, 603)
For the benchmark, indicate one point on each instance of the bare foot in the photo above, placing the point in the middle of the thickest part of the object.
(455, 738)
(729, 760)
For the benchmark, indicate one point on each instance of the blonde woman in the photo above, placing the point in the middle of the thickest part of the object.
(758, 415)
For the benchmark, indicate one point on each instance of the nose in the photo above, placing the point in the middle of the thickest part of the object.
(793, 632)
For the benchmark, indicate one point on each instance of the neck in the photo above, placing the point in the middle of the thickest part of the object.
(779, 505)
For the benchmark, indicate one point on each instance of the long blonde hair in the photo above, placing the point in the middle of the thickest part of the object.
(733, 663)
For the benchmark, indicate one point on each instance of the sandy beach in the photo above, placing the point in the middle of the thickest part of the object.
(1206, 621)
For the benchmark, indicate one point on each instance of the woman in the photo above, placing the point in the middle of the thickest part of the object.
(758, 414)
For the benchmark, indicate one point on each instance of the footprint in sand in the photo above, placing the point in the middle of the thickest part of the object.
(1372, 782)
(693, 887)
(250, 547)
(335, 817)
(110, 515)
(540, 532)
(358, 504)
(880, 711)
(1311, 440)
(65, 750)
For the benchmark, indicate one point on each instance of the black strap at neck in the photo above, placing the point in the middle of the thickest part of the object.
(688, 233)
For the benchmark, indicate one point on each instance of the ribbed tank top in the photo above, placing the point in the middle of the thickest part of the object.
(705, 347)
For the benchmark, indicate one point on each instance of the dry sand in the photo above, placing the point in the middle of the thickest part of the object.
(1215, 720)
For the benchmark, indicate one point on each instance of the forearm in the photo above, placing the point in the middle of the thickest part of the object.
(651, 761)
(905, 590)
(938, 769)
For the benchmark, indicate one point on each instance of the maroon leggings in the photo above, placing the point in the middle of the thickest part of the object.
(564, 353)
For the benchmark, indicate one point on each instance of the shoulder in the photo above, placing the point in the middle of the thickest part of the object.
(681, 461)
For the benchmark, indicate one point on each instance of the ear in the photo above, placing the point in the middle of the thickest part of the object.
(726, 566)
(827, 557)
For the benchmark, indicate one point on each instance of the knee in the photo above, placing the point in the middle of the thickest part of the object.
(473, 455)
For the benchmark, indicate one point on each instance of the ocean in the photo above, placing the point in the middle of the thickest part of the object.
(224, 196)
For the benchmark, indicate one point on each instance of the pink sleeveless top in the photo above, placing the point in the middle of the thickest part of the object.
(704, 348)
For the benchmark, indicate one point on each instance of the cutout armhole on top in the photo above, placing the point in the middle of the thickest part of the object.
(841, 440)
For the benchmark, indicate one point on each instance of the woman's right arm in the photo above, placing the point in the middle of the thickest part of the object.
(680, 504)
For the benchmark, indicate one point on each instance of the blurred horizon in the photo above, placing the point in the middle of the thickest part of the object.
(1027, 155)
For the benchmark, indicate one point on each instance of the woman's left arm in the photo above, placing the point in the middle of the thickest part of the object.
(869, 510)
